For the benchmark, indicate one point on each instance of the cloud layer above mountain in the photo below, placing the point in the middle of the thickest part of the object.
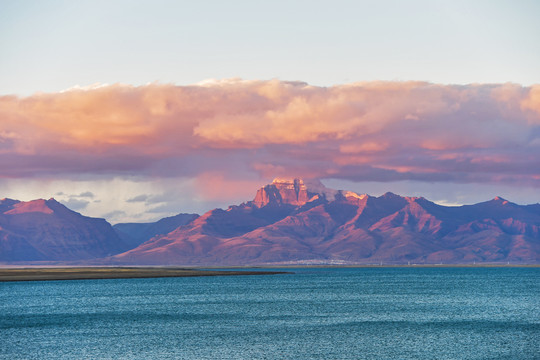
(376, 131)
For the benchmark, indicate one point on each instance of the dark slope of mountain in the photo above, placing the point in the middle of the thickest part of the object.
(289, 222)
(45, 230)
(134, 234)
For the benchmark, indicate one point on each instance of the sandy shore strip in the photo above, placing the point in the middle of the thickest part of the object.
(85, 273)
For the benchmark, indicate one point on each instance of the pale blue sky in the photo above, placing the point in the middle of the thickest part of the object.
(51, 45)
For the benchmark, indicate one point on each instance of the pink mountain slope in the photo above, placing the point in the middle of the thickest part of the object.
(45, 230)
(289, 222)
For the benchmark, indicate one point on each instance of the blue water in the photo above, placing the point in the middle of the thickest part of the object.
(375, 313)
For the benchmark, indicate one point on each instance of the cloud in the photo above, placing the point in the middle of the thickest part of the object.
(138, 198)
(214, 186)
(223, 132)
(75, 204)
(532, 103)
(114, 214)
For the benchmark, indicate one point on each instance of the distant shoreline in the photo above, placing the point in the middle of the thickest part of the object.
(44, 273)
(95, 273)
(361, 266)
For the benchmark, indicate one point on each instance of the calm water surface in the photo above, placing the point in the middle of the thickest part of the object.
(375, 313)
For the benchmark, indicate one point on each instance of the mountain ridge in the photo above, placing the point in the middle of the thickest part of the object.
(45, 230)
(350, 228)
(135, 234)
(289, 221)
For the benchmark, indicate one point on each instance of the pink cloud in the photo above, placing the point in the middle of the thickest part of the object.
(380, 131)
(532, 104)
(214, 186)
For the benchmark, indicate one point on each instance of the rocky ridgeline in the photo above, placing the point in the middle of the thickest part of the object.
(288, 221)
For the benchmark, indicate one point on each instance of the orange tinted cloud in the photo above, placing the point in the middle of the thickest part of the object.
(532, 103)
(214, 186)
(380, 131)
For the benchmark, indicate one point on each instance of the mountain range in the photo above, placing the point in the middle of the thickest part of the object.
(288, 222)
(45, 230)
(134, 234)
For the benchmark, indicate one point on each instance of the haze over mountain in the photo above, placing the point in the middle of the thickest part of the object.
(289, 222)
(134, 234)
(45, 230)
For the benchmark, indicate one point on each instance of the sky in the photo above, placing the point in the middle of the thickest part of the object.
(135, 110)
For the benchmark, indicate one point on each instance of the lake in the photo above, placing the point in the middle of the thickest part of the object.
(347, 313)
